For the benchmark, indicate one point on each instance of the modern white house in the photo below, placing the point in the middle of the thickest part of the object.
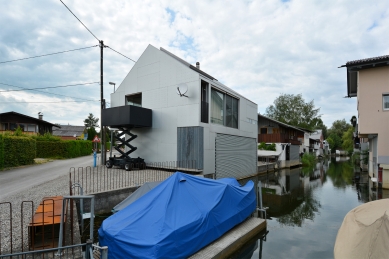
(194, 116)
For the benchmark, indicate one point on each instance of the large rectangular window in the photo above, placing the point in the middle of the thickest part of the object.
(224, 109)
(204, 101)
(385, 101)
(134, 99)
(217, 107)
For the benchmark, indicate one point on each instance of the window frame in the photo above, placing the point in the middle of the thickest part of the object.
(224, 115)
(383, 101)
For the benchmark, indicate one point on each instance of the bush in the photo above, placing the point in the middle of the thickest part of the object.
(16, 151)
(308, 159)
(63, 148)
(264, 146)
(46, 137)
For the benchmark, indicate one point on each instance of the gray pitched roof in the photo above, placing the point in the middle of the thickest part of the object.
(283, 124)
(69, 131)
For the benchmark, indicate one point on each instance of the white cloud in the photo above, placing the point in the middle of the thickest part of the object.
(258, 48)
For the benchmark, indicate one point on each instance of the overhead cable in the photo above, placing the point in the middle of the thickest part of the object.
(79, 20)
(47, 54)
(53, 93)
(56, 102)
(50, 87)
(121, 54)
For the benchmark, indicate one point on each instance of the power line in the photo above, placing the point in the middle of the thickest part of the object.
(50, 87)
(54, 94)
(58, 102)
(79, 20)
(121, 54)
(47, 54)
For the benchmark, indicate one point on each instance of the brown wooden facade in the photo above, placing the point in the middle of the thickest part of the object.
(10, 121)
(272, 131)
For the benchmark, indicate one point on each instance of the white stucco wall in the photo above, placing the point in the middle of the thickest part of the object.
(157, 75)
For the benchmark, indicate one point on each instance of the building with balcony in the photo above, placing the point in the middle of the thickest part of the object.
(288, 139)
(195, 117)
(368, 81)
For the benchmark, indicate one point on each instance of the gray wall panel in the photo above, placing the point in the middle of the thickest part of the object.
(235, 156)
(190, 147)
(294, 152)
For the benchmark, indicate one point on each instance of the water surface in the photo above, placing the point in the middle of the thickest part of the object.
(307, 207)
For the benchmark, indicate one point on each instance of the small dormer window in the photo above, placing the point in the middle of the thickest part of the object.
(134, 99)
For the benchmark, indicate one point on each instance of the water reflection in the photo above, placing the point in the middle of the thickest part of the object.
(288, 195)
(306, 207)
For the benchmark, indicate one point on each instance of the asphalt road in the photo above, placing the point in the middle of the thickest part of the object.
(19, 179)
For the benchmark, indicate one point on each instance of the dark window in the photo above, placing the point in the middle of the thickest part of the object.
(231, 112)
(224, 109)
(263, 130)
(134, 99)
(204, 102)
(385, 101)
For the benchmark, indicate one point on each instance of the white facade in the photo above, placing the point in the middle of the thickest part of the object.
(156, 75)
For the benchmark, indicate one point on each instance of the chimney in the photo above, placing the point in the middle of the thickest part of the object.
(40, 115)
(198, 65)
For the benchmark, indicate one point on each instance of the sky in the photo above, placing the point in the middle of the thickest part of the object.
(260, 49)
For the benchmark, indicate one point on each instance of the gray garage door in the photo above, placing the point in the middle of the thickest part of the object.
(235, 156)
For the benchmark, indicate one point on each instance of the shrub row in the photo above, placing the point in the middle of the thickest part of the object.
(63, 148)
(16, 151)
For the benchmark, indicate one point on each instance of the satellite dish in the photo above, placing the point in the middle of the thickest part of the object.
(182, 89)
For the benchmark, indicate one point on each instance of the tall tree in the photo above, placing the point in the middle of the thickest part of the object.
(293, 110)
(339, 127)
(91, 121)
(336, 132)
(347, 140)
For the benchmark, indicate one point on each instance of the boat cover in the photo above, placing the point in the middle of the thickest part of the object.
(177, 218)
(364, 232)
(145, 188)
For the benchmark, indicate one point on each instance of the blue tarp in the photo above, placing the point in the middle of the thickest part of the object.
(145, 188)
(177, 218)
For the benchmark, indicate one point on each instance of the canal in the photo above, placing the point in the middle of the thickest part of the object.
(306, 207)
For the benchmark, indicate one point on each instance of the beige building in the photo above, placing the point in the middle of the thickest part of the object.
(368, 80)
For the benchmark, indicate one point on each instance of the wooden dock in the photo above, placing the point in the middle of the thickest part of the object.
(43, 230)
(232, 241)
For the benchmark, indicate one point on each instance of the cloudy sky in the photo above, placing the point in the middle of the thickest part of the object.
(260, 49)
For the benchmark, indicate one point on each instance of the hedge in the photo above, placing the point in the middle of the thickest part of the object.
(16, 151)
(63, 148)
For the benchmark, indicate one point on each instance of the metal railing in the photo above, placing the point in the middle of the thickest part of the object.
(102, 179)
(71, 251)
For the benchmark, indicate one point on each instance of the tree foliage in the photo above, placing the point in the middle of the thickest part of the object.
(293, 110)
(347, 140)
(91, 133)
(336, 132)
(91, 121)
(339, 127)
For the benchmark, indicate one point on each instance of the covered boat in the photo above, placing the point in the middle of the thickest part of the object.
(177, 218)
(145, 188)
(364, 232)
